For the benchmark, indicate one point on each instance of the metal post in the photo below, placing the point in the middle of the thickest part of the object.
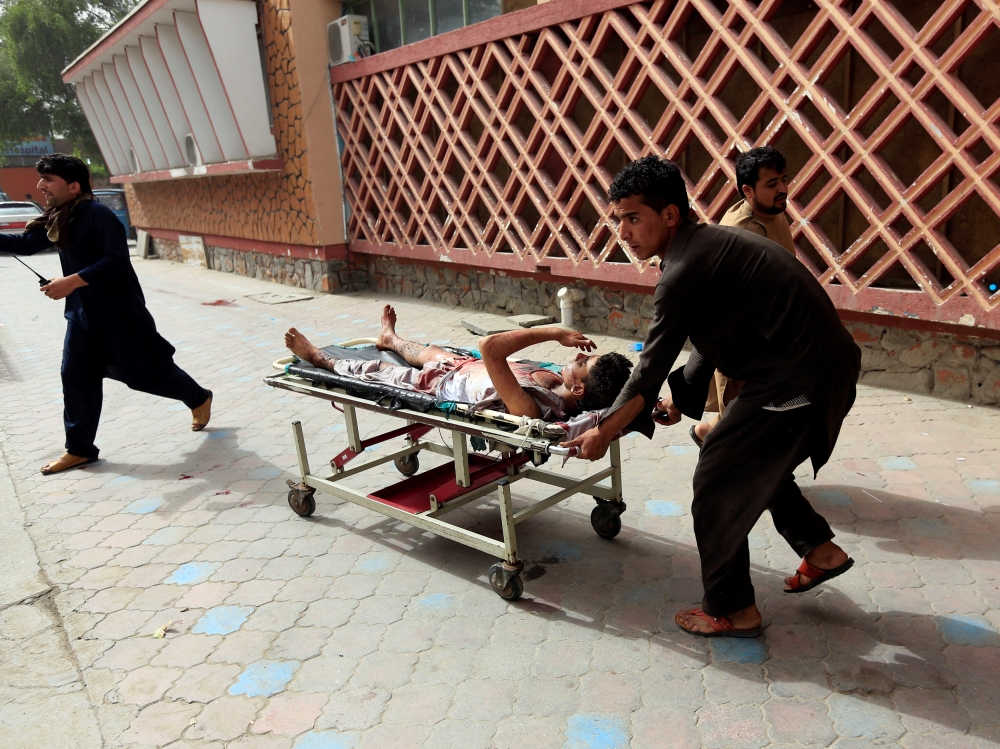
(507, 521)
(300, 449)
(460, 446)
(616, 473)
(351, 422)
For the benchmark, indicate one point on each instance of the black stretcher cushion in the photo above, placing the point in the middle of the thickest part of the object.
(389, 396)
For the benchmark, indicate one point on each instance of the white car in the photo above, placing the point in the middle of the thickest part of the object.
(14, 216)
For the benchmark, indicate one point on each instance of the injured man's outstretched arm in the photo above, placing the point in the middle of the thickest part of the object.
(586, 382)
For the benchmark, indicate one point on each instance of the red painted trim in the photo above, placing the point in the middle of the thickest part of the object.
(915, 306)
(559, 270)
(962, 332)
(124, 28)
(244, 166)
(509, 24)
(297, 251)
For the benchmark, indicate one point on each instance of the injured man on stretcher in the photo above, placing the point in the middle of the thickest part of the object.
(586, 382)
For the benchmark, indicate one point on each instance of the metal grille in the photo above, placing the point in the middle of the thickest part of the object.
(889, 123)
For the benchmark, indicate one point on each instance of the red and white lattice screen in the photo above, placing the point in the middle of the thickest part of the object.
(499, 154)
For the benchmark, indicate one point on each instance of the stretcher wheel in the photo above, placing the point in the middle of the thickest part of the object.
(606, 520)
(514, 587)
(302, 503)
(407, 464)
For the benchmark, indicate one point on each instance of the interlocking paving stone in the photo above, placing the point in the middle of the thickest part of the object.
(351, 630)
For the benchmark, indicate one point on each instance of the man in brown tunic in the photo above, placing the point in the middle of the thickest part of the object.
(749, 307)
(763, 182)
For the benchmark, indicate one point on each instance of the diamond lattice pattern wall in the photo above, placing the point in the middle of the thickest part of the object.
(887, 113)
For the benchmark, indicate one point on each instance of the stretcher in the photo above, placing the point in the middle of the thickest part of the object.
(504, 450)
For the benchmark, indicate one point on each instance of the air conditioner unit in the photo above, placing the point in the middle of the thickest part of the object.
(191, 152)
(345, 37)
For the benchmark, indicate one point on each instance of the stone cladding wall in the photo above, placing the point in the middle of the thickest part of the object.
(965, 368)
(314, 275)
(603, 310)
(269, 206)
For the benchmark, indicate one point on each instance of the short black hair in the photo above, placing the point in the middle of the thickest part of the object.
(749, 164)
(657, 181)
(70, 168)
(604, 381)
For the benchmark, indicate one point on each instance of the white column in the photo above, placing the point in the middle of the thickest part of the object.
(111, 110)
(95, 124)
(190, 96)
(213, 93)
(140, 113)
(154, 107)
(229, 27)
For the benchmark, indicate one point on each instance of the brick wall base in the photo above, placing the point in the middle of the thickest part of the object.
(315, 275)
(952, 366)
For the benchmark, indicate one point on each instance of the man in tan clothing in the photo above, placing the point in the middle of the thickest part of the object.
(763, 183)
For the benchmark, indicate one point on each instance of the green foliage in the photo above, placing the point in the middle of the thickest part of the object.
(38, 39)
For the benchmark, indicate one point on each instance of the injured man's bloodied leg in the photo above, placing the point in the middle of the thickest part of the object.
(587, 382)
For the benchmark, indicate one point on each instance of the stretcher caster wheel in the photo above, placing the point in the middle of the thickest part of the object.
(303, 503)
(407, 464)
(507, 585)
(606, 519)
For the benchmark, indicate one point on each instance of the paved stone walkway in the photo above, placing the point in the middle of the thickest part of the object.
(350, 630)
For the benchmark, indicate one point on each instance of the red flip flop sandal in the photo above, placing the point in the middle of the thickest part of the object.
(818, 576)
(721, 626)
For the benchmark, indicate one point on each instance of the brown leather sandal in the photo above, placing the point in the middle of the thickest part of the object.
(65, 463)
(200, 416)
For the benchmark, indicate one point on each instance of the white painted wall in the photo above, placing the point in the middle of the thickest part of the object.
(139, 112)
(95, 124)
(190, 66)
(146, 162)
(213, 93)
(152, 55)
(190, 96)
(111, 111)
(229, 27)
(154, 107)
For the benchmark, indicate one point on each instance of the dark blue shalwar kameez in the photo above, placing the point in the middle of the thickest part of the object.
(109, 331)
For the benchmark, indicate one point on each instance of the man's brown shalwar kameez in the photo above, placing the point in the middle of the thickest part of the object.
(755, 312)
(742, 216)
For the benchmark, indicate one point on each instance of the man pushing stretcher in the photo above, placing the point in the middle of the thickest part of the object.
(753, 312)
(586, 382)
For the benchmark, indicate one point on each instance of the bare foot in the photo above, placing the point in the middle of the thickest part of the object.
(702, 429)
(388, 334)
(748, 618)
(826, 556)
(299, 345)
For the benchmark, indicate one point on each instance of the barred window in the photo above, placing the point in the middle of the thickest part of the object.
(393, 23)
